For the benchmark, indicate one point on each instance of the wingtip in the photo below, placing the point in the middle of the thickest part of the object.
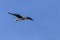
(32, 20)
(9, 13)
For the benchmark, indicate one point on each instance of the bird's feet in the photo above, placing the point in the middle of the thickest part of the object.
(16, 20)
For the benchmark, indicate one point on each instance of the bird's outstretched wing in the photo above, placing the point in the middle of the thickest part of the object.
(17, 15)
(29, 18)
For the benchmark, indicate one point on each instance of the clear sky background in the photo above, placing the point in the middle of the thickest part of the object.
(46, 24)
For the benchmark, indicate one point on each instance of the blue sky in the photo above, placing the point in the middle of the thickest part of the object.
(46, 24)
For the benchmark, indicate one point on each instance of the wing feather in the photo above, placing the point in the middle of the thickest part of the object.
(17, 15)
(29, 18)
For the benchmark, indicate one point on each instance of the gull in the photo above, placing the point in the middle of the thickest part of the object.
(19, 17)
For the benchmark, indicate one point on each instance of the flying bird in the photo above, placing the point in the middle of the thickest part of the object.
(19, 17)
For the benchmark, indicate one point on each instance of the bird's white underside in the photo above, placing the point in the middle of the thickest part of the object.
(18, 19)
